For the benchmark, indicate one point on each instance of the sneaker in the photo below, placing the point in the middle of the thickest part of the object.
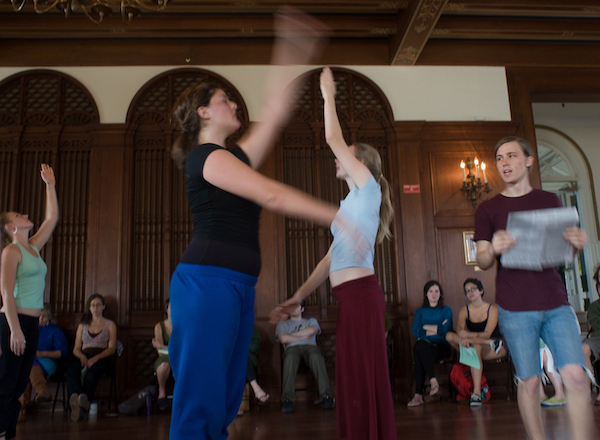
(84, 403)
(328, 402)
(74, 404)
(496, 345)
(287, 406)
(476, 400)
(553, 401)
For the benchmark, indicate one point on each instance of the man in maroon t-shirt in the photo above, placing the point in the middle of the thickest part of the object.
(533, 305)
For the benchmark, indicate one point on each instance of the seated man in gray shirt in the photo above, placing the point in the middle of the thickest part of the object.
(299, 339)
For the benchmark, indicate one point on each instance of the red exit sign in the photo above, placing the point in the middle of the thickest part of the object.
(412, 189)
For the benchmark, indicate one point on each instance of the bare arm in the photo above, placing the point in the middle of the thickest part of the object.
(55, 354)
(43, 234)
(11, 256)
(487, 251)
(357, 171)
(316, 278)
(298, 40)
(78, 345)
(158, 341)
(223, 170)
(302, 334)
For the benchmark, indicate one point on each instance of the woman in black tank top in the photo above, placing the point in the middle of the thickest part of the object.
(477, 327)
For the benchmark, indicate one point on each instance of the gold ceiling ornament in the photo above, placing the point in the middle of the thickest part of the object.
(95, 10)
(472, 186)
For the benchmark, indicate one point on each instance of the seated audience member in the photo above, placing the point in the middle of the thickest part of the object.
(95, 344)
(253, 368)
(52, 347)
(299, 339)
(591, 345)
(162, 367)
(550, 372)
(477, 327)
(432, 321)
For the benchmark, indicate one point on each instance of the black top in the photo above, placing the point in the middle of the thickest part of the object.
(225, 225)
(479, 327)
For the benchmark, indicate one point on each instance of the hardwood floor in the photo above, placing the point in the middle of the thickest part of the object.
(496, 420)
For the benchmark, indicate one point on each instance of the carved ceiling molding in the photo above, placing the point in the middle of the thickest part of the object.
(422, 23)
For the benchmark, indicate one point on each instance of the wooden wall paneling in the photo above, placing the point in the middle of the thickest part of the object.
(451, 254)
(105, 217)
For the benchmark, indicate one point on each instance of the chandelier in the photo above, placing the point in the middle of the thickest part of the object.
(472, 186)
(96, 10)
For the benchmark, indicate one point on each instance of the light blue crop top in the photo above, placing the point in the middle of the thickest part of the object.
(361, 208)
(31, 280)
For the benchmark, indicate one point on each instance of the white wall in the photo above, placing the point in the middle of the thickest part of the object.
(427, 93)
(581, 123)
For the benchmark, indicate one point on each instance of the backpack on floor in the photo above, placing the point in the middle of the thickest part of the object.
(136, 404)
(461, 380)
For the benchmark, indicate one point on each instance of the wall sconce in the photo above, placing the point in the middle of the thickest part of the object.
(472, 186)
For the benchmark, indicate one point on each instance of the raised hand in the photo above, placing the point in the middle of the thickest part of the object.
(47, 174)
(327, 83)
(300, 37)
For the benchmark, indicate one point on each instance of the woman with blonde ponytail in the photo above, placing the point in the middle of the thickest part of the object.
(22, 282)
(365, 410)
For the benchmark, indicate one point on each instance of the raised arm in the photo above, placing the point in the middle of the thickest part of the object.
(356, 169)
(43, 234)
(298, 40)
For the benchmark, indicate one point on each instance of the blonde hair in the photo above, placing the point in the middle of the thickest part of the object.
(185, 116)
(372, 161)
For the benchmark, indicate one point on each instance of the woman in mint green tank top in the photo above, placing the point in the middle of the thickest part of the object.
(22, 283)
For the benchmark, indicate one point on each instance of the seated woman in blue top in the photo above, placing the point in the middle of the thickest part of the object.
(432, 321)
(52, 347)
(477, 327)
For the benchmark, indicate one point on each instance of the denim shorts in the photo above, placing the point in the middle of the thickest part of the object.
(558, 328)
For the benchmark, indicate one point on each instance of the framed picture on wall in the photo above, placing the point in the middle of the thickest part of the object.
(470, 248)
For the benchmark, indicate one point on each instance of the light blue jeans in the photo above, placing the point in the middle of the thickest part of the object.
(557, 327)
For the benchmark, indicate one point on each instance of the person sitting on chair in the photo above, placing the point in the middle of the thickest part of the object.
(299, 339)
(52, 347)
(162, 366)
(432, 321)
(477, 327)
(95, 344)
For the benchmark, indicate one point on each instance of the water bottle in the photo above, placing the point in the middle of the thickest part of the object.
(149, 403)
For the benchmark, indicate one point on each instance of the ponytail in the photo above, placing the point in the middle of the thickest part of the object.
(185, 116)
(372, 161)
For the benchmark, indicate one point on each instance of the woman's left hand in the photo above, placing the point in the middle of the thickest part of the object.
(47, 174)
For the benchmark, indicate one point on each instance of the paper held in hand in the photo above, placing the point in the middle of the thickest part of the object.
(539, 236)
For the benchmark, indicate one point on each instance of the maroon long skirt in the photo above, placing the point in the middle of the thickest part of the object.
(365, 410)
